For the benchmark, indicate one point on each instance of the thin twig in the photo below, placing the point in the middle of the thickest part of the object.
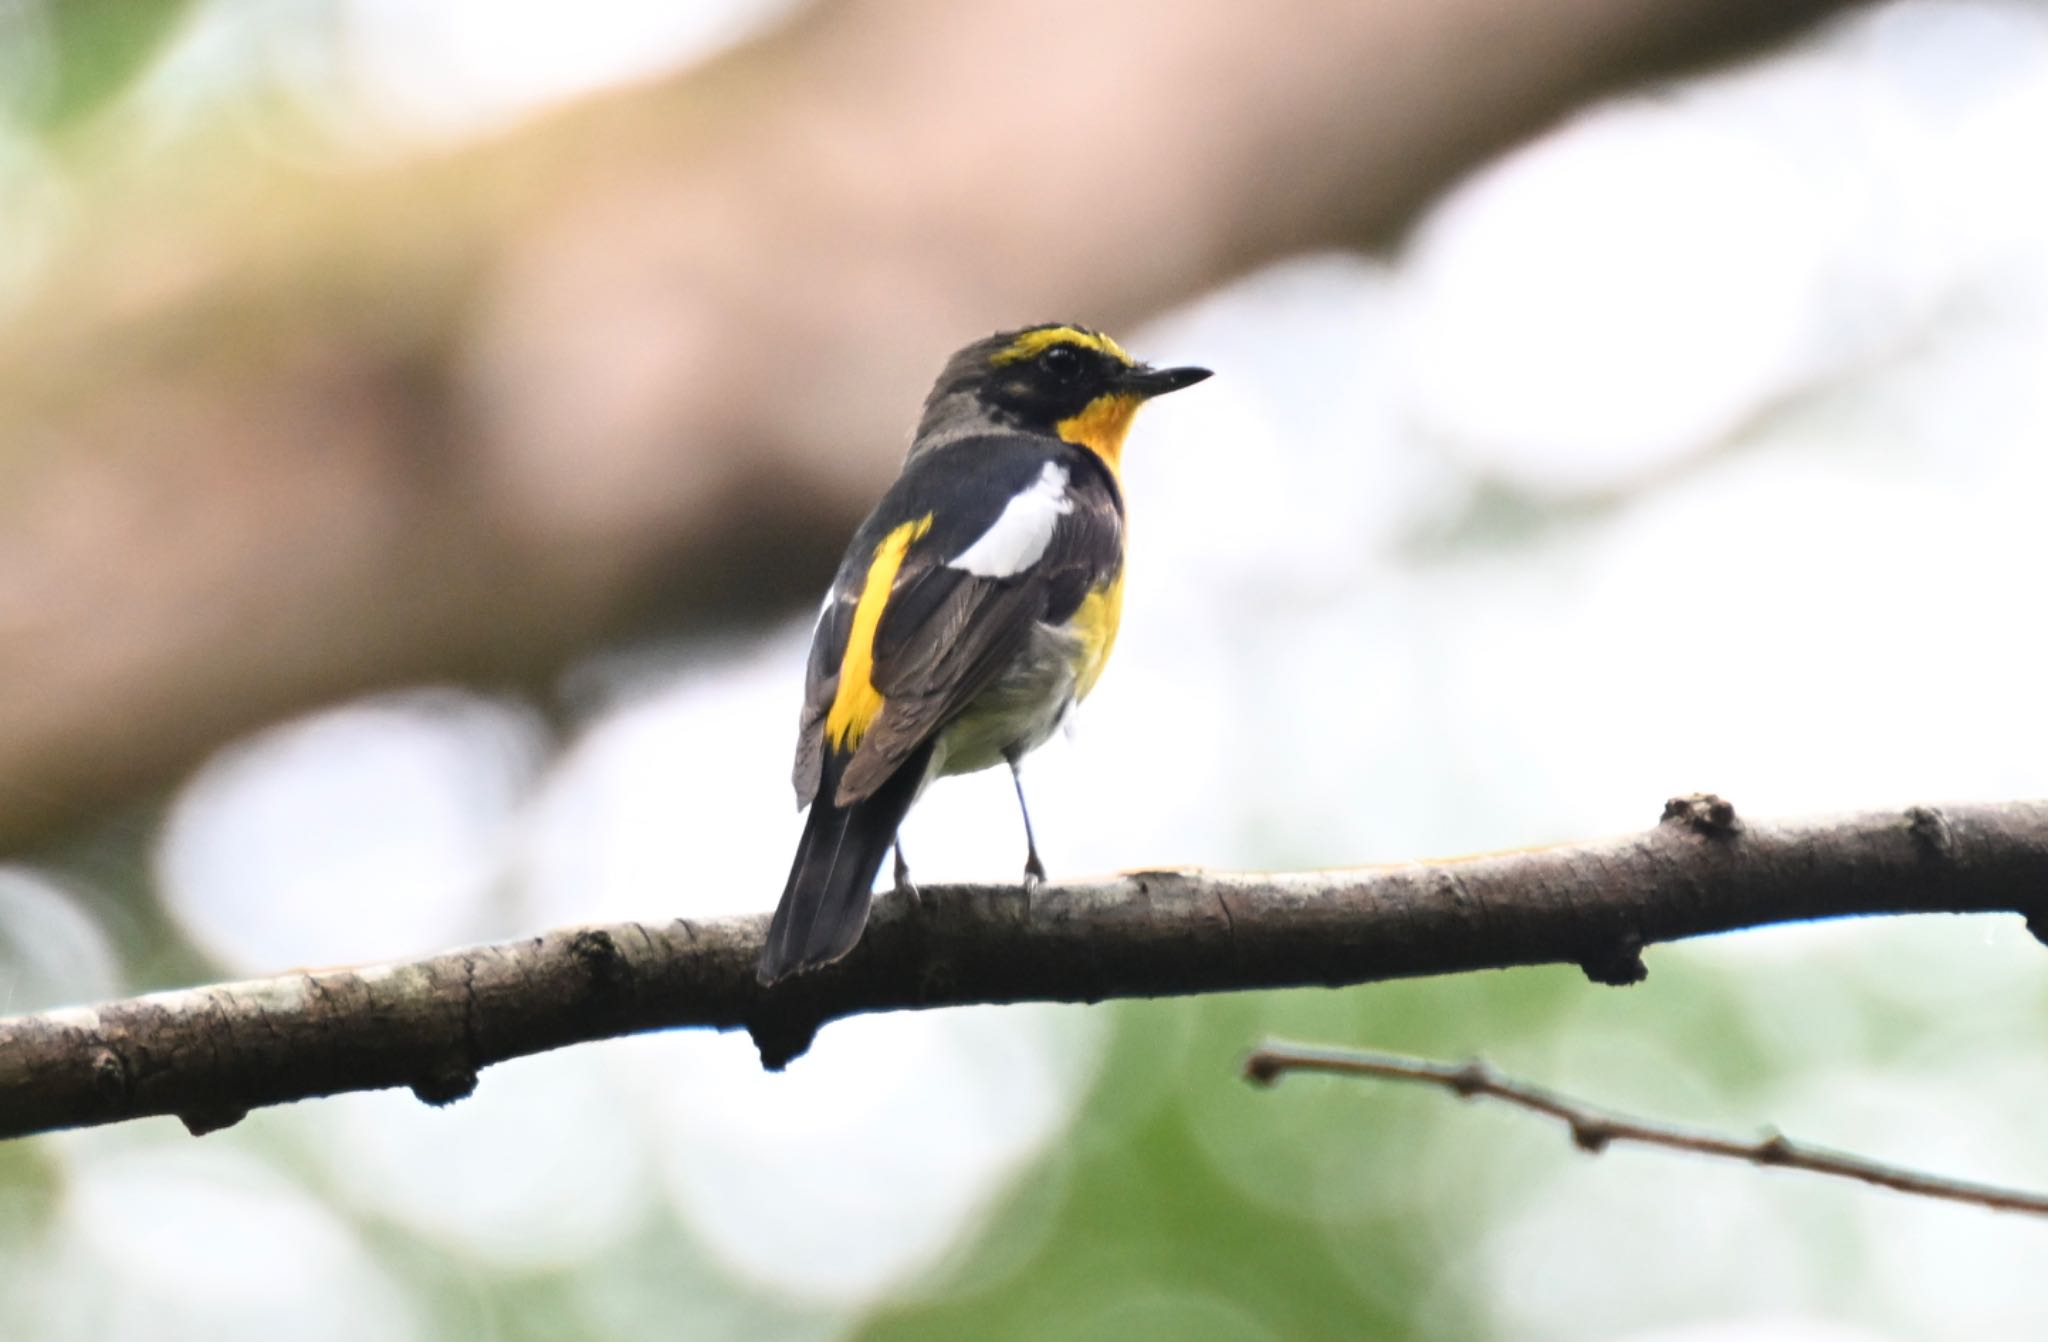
(1593, 1129)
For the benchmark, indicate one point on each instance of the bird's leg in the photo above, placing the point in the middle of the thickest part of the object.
(1034, 870)
(904, 885)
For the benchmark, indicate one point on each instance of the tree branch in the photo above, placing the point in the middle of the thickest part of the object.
(208, 1055)
(1594, 1129)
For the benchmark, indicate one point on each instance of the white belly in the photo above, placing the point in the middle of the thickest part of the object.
(1018, 712)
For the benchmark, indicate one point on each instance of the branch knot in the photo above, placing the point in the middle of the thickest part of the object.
(110, 1076)
(1591, 1134)
(445, 1086)
(599, 954)
(212, 1118)
(1704, 814)
(1618, 964)
(1474, 1078)
(1931, 833)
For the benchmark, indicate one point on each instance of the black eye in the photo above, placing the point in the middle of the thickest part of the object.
(1062, 361)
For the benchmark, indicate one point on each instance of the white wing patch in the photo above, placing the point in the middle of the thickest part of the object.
(1016, 539)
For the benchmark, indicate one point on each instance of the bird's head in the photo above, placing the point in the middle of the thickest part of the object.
(1056, 379)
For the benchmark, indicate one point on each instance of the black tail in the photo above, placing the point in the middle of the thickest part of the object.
(825, 902)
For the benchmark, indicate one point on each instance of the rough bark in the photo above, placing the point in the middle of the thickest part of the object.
(295, 437)
(208, 1055)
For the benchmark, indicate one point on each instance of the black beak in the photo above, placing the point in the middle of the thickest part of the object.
(1148, 382)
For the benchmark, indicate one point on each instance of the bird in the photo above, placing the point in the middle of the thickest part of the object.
(974, 607)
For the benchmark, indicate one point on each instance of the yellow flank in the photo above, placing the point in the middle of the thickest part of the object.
(1096, 622)
(858, 702)
(1102, 427)
(1033, 343)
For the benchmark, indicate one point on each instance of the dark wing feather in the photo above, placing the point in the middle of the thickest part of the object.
(821, 684)
(962, 489)
(962, 634)
(947, 635)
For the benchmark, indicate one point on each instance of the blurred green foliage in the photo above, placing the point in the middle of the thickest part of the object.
(75, 56)
(1198, 1206)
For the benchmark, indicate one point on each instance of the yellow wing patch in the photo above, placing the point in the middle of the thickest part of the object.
(1034, 343)
(858, 703)
(1102, 426)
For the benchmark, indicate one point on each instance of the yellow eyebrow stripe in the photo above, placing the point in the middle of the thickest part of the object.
(858, 703)
(1033, 343)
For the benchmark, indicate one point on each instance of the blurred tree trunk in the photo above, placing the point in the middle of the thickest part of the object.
(272, 438)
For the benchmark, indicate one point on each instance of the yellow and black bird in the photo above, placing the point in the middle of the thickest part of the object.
(975, 605)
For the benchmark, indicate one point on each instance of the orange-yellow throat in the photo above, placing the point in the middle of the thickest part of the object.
(1102, 427)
